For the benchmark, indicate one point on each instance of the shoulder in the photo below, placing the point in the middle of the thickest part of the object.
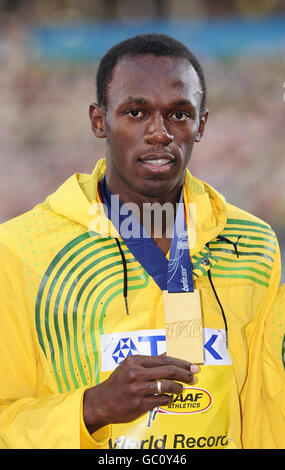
(239, 217)
(249, 228)
(24, 229)
(247, 249)
(253, 234)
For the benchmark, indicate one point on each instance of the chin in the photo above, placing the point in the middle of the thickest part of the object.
(156, 188)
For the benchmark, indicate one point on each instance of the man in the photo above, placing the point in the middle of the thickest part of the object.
(90, 312)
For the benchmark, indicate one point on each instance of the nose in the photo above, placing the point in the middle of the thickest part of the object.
(157, 131)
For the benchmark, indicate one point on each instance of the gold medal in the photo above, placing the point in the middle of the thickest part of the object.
(183, 324)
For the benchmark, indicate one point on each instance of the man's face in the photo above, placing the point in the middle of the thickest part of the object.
(150, 124)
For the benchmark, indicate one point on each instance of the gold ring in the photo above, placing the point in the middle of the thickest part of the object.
(158, 383)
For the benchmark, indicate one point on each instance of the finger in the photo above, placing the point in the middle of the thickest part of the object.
(167, 386)
(157, 400)
(163, 360)
(171, 372)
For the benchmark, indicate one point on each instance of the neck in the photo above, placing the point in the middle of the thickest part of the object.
(156, 212)
(128, 193)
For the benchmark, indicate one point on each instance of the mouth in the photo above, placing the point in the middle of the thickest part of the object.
(157, 162)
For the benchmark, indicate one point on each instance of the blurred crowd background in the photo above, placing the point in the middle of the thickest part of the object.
(49, 50)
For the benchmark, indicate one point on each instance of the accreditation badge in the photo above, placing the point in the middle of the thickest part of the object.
(183, 324)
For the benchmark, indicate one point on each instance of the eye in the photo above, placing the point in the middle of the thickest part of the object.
(135, 113)
(180, 116)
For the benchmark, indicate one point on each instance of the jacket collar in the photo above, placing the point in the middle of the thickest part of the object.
(78, 200)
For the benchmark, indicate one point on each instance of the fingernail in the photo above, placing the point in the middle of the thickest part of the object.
(194, 368)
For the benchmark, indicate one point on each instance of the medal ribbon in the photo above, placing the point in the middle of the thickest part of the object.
(173, 275)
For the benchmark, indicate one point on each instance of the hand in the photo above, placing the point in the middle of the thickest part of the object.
(131, 390)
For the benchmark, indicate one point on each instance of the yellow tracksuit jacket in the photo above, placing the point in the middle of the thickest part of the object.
(63, 326)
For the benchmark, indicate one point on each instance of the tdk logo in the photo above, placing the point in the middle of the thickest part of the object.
(115, 347)
(125, 348)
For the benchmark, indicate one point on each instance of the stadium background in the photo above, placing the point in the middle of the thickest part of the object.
(49, 51)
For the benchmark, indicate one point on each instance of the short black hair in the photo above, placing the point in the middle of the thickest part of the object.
(156, 44)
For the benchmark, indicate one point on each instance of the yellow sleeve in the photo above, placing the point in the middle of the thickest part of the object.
(254, 436)
(33, 415)
(273, 364)
(98, 440)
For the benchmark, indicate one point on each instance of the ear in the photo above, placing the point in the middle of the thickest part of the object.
(97, 118)
(203, 120)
